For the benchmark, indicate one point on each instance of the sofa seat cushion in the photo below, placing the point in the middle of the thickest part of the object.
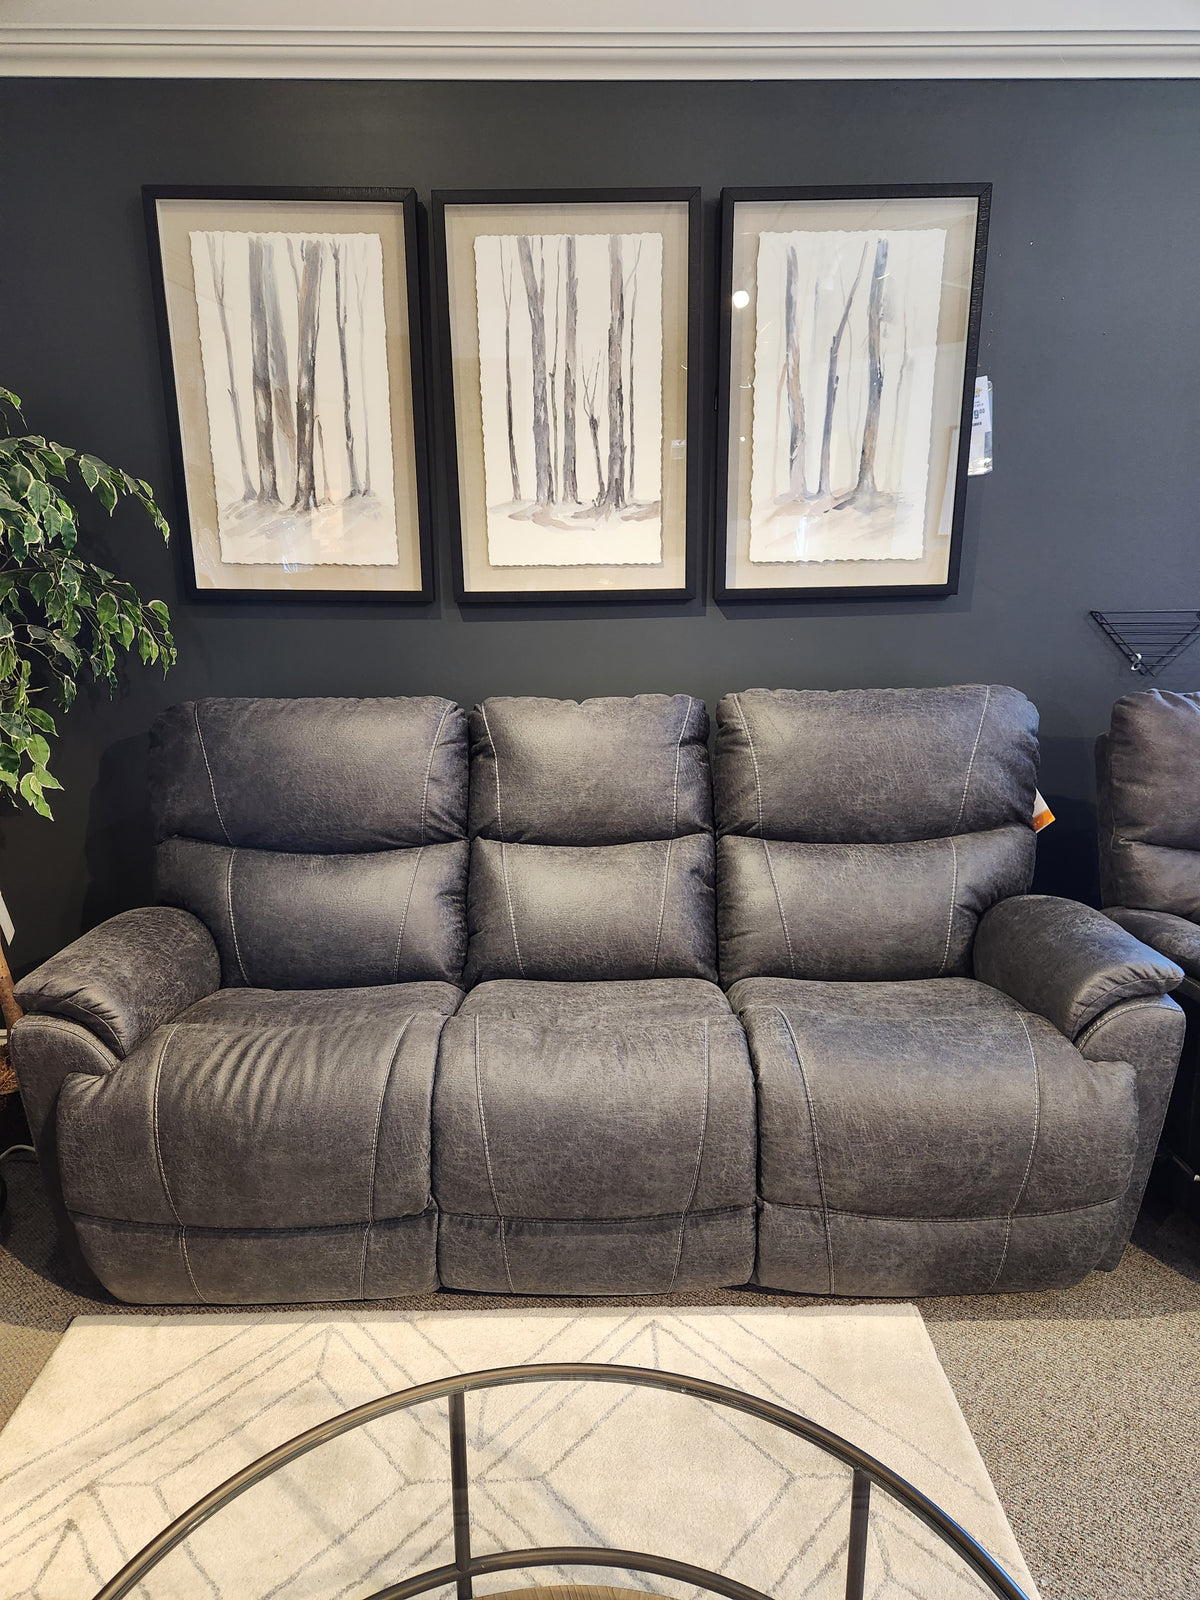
(647, 999)
(903, 1001)
(929, 1138)
(266, 1008)
(226, 1142)
(593, 1151)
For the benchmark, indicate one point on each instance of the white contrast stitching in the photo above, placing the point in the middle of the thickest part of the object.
(412, 882)
(77, 1031)
(962, 804)
(362, 1267)
(812, 1123)
(737, 700)
(429, 769)
(953, 897)
(699, 1158)
(1120, 1009)
(787, 937)
(512, 921)
(162, 1170)
(211, 781)
(487, 1157)
(237, 949)
(900, 1216)
(1037, 1123)
(487, 728)
(662, 910)
(187, 1262)
(687, 715)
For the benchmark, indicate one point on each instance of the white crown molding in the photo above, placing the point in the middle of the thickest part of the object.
(215, 51)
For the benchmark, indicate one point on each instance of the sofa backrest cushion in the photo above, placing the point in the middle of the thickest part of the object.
(1148, 792)
(592, 848)
(863, 833)
(323, 842)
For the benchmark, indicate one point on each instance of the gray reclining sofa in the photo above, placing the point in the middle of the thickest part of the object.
(427, 1002)
(1148, 789)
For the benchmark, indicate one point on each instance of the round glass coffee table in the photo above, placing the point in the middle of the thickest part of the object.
(869, 1475)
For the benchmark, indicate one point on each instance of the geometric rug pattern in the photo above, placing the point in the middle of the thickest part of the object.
(135, 1418)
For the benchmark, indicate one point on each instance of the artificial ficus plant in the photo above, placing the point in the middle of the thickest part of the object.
(60, 615)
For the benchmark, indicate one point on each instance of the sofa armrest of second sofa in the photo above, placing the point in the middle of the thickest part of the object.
(127, 976)
(1065, 961)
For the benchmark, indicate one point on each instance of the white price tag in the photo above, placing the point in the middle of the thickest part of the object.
(980, 459)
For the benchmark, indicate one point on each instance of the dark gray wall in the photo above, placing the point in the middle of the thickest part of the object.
(1091, 335)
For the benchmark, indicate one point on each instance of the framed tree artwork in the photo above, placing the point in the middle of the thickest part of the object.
(289, 324)
(849, 340)
(568, 332)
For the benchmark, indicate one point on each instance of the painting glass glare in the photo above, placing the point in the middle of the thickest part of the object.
(568, 337)
(290, 340)
(849, 325)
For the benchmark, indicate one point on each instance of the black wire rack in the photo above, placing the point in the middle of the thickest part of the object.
(1150, 640)
(867, 1473)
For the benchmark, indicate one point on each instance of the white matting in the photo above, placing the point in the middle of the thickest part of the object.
(135, 1418)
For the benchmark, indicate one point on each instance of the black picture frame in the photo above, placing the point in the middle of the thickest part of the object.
(733, 520)
(405, 368)
(467, 509)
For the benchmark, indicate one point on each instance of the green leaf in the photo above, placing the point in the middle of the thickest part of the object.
(14, 725)
(39, 750)
(9, 399)
(6, 627)
(47, 779)
(107, 611)
(127, 630)
(147, 646)
(20, 477)
(31, 791)
(157, 609)
(66, 648)
(106, 495)
(38, 496)
(90, 470)
(42, 719)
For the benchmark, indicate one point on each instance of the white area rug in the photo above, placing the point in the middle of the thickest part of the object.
(135, 1418)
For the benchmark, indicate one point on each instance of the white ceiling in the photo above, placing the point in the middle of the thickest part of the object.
(620, 38)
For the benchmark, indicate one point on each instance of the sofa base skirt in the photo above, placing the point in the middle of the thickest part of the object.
(152, 1264)
(586, 1256)
(807, 1251)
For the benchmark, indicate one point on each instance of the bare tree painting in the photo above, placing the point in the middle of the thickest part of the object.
(293, 338)
(571, 338)
(844, 362)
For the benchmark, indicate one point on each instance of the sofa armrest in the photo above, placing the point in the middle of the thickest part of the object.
(1177, 938)
(128, 976)
(1067, 962)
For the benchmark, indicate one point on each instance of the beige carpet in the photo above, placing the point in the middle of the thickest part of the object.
(135, 1418)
